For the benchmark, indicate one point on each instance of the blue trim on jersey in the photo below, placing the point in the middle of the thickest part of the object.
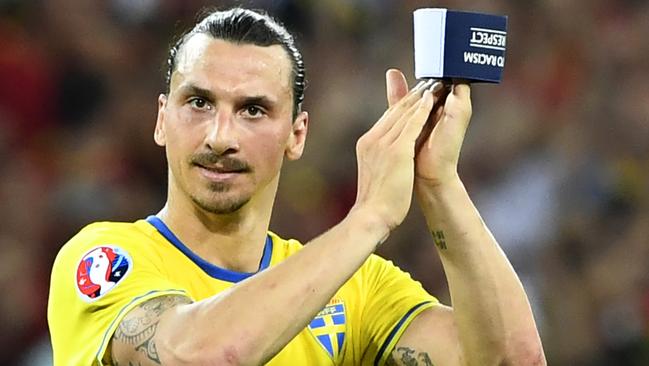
(209, 268)
(395, 330)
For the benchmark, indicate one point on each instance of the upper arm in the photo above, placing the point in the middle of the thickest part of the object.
(392, 301)
(134, 340)
(430, 339)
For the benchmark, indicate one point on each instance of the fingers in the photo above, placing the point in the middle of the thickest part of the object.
(453, 114)
(461, 88)
(416, 122)
(393, 114)
(396, 86)
(414, 100)
(458, 104)
(438, 88)
(404, 105)
(437, 116)
(412, 97)
(439, 91)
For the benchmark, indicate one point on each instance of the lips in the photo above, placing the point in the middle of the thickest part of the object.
(218, 174)
(221, 169)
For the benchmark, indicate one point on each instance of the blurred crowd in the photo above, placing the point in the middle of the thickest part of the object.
(556, 158)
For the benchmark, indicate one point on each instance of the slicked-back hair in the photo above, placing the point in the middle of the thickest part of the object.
(246, 26)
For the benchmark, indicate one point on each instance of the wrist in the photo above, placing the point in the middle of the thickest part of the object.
(369, 222)
(439, 199)
(438, 186)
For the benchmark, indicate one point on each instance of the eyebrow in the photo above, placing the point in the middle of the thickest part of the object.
(261, 100)
(192, 89)
(195, 90)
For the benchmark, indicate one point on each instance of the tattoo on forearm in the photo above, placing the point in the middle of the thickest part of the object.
(139, 330)
(408, 357)
(438, 238)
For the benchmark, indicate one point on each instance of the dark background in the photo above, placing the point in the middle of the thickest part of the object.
(556, 159)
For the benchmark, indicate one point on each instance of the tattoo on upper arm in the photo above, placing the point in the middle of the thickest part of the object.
(408, 357)
(438, 238)
(129, 364)
(138, 328)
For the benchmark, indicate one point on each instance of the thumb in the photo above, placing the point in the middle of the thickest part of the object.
(396, 85)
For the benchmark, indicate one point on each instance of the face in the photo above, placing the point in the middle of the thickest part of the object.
(227, 123)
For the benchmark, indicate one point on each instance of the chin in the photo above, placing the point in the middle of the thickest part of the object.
(221, 205)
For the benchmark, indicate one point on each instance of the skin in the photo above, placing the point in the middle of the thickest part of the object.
(224, 218)
(491, 322)
(229, 112)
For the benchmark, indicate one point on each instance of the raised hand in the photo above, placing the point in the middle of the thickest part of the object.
(439, 151)
(386, 154)
(439, 145)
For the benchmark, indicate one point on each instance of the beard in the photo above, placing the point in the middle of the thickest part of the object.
(220, 202)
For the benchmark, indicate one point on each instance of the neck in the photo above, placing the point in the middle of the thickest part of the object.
(233, 241)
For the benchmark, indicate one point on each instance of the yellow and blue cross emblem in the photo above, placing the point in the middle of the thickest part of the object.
(328, 327)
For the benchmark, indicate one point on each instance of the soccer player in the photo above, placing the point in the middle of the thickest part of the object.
(203, 282)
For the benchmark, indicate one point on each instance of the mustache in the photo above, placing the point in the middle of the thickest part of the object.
(224, 162)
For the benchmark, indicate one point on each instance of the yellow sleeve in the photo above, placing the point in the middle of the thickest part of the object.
(98, 276)
(392, 300)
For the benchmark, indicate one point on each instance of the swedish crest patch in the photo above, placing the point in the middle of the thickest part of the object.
(328, 327)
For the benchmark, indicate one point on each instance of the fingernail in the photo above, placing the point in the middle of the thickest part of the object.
(437, 87)
(419, 85)
(426, 84)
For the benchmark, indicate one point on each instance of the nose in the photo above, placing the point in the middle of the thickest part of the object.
(221, 137)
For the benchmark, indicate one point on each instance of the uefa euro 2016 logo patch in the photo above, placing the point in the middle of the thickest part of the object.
(100, 270)
(328, 327)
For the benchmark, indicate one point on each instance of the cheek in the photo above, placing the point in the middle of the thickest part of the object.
(182, 136)
(178, 150)
(173, 148)
(269, 149)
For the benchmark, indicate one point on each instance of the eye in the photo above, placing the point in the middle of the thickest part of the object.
(199, 103)
(253, 111)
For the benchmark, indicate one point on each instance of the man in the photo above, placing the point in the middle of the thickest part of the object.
(204, 283)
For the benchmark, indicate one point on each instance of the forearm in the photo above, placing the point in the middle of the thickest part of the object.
(253, 320)
(492, 313)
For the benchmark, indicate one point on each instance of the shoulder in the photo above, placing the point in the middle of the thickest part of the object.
(121, 234)
(119, 258)
(376, 265)
(111, 243)
(284, 247)
(99, 275)
(380, 275)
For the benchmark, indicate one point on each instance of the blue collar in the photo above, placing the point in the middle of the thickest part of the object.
(209, 268)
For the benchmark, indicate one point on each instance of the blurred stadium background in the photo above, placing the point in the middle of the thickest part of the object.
(556, 159)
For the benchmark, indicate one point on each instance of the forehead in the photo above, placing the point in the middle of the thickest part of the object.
(218, 64)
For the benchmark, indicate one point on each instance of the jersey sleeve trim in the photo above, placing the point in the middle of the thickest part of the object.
(398, 330)
(120, 315)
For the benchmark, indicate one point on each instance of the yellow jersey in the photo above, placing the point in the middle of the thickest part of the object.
(109, 268)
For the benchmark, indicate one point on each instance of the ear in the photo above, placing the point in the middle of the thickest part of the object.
(159, 135)
(297, 138)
